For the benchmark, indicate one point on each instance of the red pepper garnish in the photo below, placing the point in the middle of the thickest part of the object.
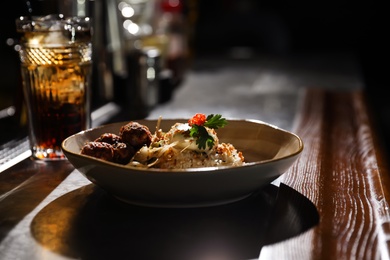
(198, 119)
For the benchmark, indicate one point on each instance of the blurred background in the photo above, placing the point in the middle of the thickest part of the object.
(184, 31)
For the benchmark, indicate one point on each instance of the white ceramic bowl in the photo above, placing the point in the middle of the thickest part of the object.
(268, 150)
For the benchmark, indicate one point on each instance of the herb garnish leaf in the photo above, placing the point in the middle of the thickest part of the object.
(199, 132)
(215, 121)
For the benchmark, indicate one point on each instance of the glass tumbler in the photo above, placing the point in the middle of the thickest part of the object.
(56, 65)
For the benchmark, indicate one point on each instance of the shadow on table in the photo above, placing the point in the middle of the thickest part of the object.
(25, 186)
(90, 224)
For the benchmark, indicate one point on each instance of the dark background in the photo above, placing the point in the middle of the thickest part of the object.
(282, 26)
(265, 27)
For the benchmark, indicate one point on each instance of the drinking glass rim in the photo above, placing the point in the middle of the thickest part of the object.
(42, 23)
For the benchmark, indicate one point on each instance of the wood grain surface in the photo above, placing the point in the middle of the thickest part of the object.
(342, 171)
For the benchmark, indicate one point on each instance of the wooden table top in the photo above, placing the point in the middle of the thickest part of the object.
(343, 171)
(331, 204)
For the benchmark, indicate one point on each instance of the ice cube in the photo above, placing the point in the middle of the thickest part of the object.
(48, 22)
(55, 37)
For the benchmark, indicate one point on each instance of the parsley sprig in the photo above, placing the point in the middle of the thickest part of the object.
(198, 128)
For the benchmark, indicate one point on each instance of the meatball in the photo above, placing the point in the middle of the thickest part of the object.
(99, 150)
(109, 138)
(123, 153)
(135, 134)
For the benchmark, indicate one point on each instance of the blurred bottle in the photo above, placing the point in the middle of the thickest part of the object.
(156, 25)
(177, 30)
(170, 36)
(129, 58)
